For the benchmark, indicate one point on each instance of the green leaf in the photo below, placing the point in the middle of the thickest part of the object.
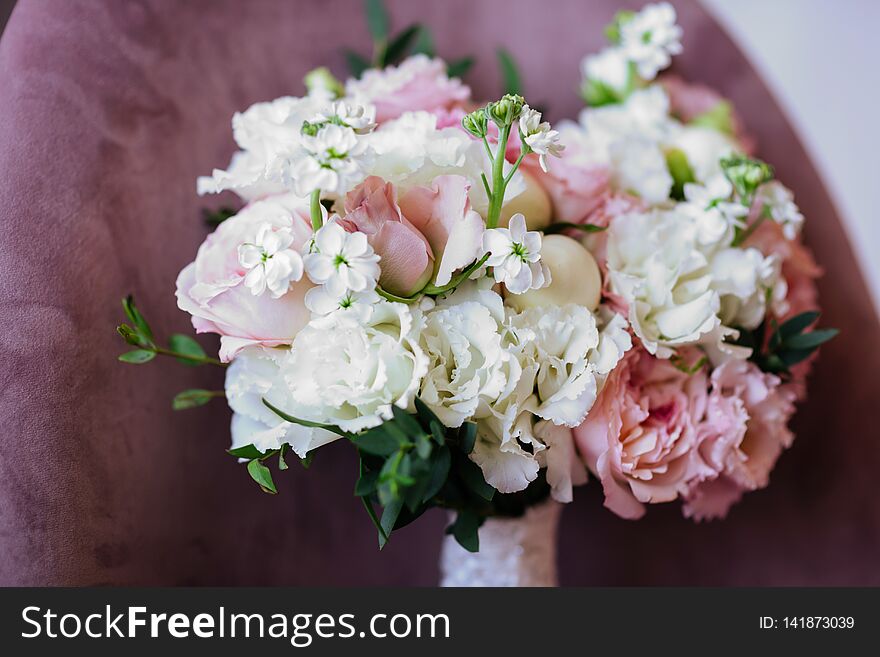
(357, 64)
(383, 537)
(459, 67)
(561, 226)
(438, 431)
(719, 118)
(193, 398)
(597, 94)
(400, 44)
(377, 20)
(282, 464)
(305, 423)
(797, 324)
(423, 445)
(790, 357)
(389, 518)
(366, 484)
(439, 473)
(509, 73)
(216, 217)
(424, 412)
(260, 473)
(377, 441)
(138, 356)
(425, 42)
(465, 529)
(184, 344)
(467, 436)
(473, 478)
(406, 422)
(245, 452)
(306, 461)
(130, 335)
(137, 319)
(680, 170)
(810, 340)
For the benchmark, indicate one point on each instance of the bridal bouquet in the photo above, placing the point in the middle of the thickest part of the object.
(488, 307)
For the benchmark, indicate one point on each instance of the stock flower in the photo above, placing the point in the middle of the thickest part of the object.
(419, 83)
(650, 38)
(778, 201)
(609, 67)
(212, 288)
(407, 258)
(640, 437)
(270, 261)
(322, 301)
(515, 256)
(341, 261)
(255, 374)
(539, 136)
(360, 118)
(345, 371)
(331, 160)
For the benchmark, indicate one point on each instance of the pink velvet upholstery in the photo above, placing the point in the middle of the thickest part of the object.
(109, 112)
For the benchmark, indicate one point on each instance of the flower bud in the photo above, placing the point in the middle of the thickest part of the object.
(322, 79)
(505, 111)
(746, 174)
(310, 129)
(476, 123)
(574, 277)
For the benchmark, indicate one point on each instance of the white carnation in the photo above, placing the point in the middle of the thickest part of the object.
(639, 167)
(743, 278)
(350, 373)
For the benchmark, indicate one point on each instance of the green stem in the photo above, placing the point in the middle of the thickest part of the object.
(205, 360)
(513, 169)
(395, 298)
(751, 228)
(457, 280)
(497, 179)
(315, 209)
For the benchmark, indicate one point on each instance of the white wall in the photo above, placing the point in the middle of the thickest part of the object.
(821, 58)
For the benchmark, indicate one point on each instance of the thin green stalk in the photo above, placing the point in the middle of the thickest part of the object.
(497, 180)
(315, 208)
(205, 360)
(747, 232)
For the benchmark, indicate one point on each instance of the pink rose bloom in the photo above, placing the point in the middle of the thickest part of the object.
(418, 84)
(407, 259)
(688, 100)
(574, 183)
(745, 431)
(212, 288)
(442, 213)
(640, 437)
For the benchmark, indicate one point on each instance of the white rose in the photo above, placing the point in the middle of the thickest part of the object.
(349, 373)
(256, 374)
(655, 265)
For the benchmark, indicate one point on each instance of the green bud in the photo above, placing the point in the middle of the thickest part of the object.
(505, 111)
(746, 174)
(129, 335)
(476, 123)
(310, 129)
(612, 30)
(321, 78)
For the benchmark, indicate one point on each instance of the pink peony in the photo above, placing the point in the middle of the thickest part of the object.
(212, 288)
(407, 260)
(744, 433)
(640, 437)
(442, 213)
(417, 84)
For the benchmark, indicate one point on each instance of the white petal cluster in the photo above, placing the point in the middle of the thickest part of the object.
(610, 67)
(515, 256)
(539, 136)
(270, 262)
(650, 38)
(778, 201)
(360, 118)
(331, 160)
(341, 261)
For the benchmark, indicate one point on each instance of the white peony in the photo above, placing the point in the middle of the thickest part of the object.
(655, 264)
(348, 372)
(256, 373)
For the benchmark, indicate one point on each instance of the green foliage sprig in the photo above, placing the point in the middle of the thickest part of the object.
(788, 344)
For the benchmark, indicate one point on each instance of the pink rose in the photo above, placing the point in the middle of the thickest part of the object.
(574, 183)
(442, 213)
(417, 84)
(212, 288)
(639, 438)
(407, 260)
(745, 431)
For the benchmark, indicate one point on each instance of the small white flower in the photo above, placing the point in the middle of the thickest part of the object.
(360, 118)
(639, 166)
(341, 261)
(610, 67)
(715, 215)
(650, 38)
(778, 200)
(515, 256)
(271, 264)
(320, 301)
(539, 136)
(332, 160)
